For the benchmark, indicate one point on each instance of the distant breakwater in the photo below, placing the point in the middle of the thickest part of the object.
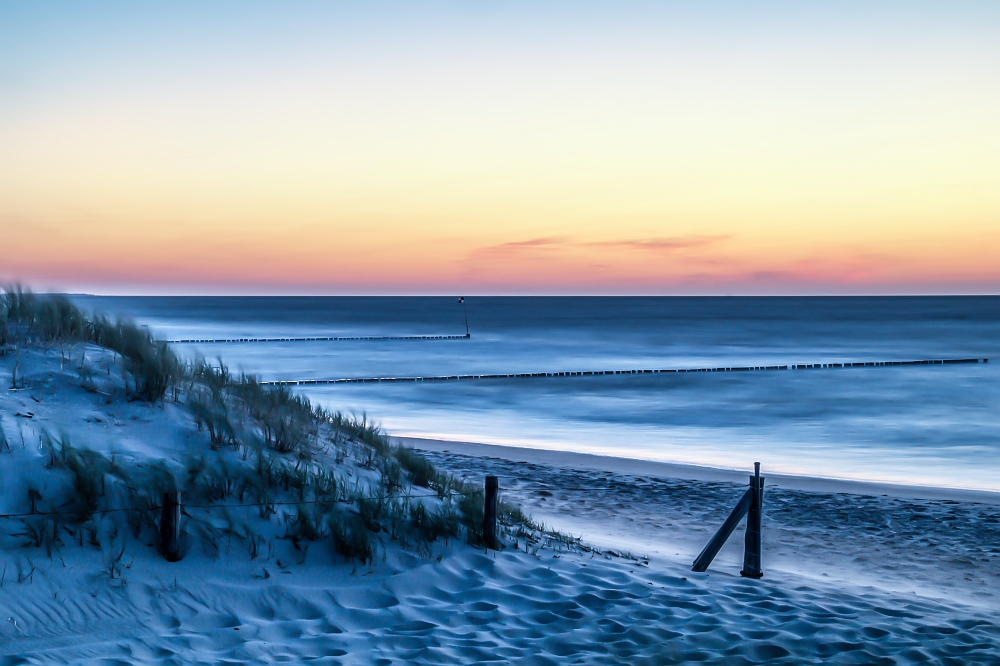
(320, 339)
(595, 373)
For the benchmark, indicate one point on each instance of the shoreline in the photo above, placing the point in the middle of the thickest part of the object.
(639, 467)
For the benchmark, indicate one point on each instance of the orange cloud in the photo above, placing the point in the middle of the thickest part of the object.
(566, 243)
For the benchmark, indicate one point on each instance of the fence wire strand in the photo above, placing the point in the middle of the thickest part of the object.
(341, 500)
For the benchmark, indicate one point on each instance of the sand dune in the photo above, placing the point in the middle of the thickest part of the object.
(849, 578)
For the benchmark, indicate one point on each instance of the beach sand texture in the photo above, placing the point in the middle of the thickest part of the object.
(472, 607)
(946, 546)
(927, 599)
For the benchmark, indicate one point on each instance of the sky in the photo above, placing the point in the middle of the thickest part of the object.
(501, 148)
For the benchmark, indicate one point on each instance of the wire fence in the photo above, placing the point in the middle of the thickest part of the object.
(359, 338)
(341, 500)
(553, 490)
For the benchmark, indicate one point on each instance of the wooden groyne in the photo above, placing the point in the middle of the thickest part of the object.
(595, 373)
(320, 339)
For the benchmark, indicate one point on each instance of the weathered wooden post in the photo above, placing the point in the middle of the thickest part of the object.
(749, 506)
(170, 527)
(752, 542)
(712, 548)
(490, 513)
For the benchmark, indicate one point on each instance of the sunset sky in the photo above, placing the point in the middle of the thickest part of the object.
(633, 148)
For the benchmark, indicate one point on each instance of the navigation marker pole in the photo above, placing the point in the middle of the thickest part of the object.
(461, 299)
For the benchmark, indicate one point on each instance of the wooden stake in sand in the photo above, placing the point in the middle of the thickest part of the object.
(750, 506)
(170, 527)
(490, 512)
(752, 544)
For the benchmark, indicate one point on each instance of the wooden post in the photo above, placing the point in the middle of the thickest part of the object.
(752, 542)
(170, 527)
(713, 547)
(490, 513)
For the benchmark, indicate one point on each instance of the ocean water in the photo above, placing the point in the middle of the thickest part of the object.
(928, 425)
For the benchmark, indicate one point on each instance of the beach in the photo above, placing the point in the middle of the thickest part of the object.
(932, 542)
(852, 575)
(849, 578)
(854, 571)
(473, 607)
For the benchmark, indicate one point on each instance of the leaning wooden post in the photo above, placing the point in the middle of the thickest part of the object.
(170, 527)
(490, 512)
(715, 545)
(752, 542)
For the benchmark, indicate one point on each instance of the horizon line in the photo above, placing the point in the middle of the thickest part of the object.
(515, 295)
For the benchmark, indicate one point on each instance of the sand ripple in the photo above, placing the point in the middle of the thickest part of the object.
(519, 609)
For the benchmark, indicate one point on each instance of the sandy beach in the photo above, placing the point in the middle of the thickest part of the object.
(933, 542)
(854, 573)
(470, 607)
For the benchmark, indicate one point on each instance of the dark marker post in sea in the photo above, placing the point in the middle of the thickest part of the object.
(461, 299)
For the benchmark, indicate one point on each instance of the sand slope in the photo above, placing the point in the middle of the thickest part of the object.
(471, 608)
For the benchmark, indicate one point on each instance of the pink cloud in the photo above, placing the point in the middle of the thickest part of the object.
(661, 244)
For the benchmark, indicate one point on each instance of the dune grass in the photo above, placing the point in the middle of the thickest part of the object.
(150, 364)
(312, 475)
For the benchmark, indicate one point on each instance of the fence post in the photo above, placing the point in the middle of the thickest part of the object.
(170, 527)
(752, 542)
(490, 513)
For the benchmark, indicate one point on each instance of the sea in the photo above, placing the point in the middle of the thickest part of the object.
(936, 425)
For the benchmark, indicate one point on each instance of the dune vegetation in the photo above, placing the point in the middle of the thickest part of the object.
(268, 466)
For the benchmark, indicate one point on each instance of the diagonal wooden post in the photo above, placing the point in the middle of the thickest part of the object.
(750, 505)
(170, 527)
(713, 547)
(752, 542)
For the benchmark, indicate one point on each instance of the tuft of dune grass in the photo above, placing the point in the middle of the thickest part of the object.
(151, 364)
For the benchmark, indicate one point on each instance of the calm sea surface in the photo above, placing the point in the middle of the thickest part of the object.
(937, 425)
